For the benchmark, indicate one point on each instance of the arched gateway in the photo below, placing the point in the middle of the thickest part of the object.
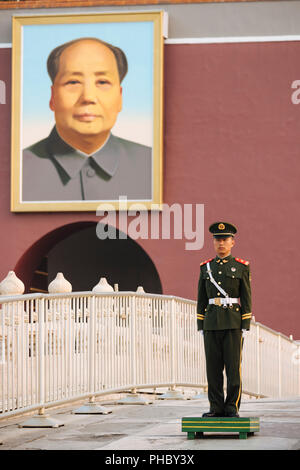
(77, 252)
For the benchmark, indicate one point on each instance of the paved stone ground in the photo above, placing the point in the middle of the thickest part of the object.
(155, 427)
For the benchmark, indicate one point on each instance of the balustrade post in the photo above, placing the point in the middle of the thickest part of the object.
(59, 285)
(172, 393)
(133, 398)
(11, 285)
(41, 360)
(91, 407)
(41, 420)
(91, 345)
(258, 360)
(172, 342)
(133, 338)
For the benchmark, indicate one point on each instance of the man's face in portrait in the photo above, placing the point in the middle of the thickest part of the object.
(223, 245)
(86, 95)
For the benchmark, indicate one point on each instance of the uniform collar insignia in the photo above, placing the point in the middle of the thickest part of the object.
(224, 260)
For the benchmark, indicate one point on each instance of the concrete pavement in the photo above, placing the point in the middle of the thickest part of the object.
(155, 427)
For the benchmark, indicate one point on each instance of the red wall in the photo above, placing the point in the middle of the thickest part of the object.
(232, 143)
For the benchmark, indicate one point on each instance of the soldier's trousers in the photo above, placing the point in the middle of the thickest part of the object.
(223, 348)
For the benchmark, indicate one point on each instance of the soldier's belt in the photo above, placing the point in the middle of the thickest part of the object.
(223, 301)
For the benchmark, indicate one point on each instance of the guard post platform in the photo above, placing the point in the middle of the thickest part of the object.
(195, 427)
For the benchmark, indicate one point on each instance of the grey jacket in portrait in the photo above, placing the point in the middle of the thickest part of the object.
(54, 171)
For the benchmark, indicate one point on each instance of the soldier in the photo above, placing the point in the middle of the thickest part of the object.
(223, 312)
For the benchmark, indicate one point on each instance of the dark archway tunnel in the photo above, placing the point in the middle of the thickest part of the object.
(77, 252)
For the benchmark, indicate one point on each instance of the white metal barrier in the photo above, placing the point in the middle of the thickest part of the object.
(56, 348)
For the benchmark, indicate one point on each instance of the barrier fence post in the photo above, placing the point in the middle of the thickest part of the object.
(257, 360)
(133, 338)
(41, 420)
(133, 398)
(172, 342)
(91, 407)
(91, 345)
(172, 394)
(279, 366)
(41, 361)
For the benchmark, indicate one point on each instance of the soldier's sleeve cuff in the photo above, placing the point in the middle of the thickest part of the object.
(246, 316)
(246, 320)
(200, 319)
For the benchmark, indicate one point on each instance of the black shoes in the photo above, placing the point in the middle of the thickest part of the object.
(232, 415)
(212, 414)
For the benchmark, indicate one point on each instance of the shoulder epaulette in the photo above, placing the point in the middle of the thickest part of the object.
(242, 261)
(207, 261)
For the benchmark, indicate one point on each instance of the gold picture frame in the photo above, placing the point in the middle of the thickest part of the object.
(36, 186)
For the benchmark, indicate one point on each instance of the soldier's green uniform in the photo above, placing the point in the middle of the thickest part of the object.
(223, 321)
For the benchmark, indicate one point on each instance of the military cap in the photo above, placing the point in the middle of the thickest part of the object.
(222, 229)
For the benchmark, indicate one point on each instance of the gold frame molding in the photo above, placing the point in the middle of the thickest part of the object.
(157, 148)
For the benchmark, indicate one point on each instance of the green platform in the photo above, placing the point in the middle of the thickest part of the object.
(244, 426)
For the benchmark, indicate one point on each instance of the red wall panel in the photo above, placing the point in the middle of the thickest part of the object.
(231, 142)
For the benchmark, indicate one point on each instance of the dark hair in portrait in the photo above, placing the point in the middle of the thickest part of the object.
(54, 56)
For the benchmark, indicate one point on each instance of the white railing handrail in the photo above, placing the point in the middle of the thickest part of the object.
(7, 299)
